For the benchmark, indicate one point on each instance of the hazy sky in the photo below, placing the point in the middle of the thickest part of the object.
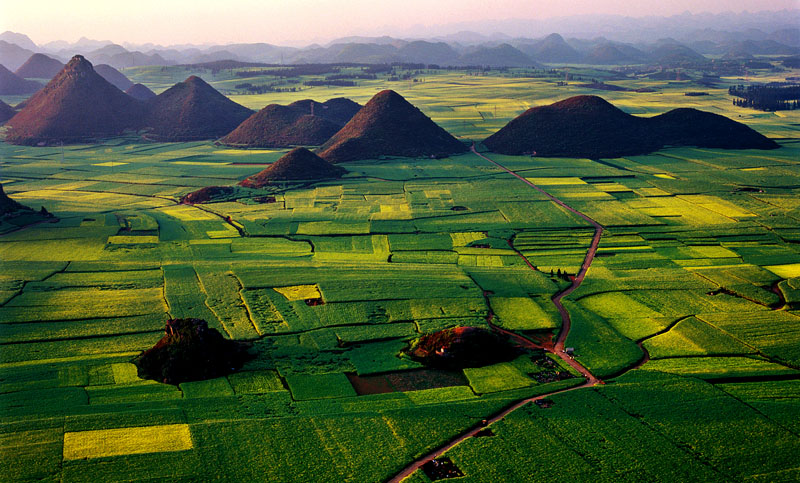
(302, 21)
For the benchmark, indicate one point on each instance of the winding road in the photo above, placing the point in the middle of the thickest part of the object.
(558, 349)
(566, 321)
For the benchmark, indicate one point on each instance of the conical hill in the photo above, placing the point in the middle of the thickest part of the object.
(140, 91)
(281, 126)
(76, 105)
(299, 164)
(193, 110)
(39, 66)
(388, 125)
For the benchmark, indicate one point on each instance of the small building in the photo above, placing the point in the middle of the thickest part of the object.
(570, 351)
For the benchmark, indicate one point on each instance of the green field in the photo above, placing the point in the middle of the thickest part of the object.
(699, 264)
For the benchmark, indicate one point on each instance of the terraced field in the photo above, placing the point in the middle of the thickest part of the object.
(696, 273)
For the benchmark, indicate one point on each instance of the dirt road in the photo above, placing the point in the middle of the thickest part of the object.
(558, 350)
(566, 321)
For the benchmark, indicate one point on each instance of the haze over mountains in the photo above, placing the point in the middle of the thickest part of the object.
(12, 84)
(75, 104)
(40, 66)
(591, 39)
(79, 104)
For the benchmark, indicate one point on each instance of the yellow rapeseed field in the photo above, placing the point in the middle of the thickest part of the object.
(124, 441)
(299, 292)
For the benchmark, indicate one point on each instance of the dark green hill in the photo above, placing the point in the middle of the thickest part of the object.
(581, 126)
(691, 127)
(590, 127)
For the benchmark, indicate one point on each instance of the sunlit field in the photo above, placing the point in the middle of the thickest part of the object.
(698, 267)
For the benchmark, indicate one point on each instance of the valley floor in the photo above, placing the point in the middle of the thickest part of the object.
(697, 274)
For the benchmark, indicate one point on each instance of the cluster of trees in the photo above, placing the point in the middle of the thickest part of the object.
(350, 76)
(542, 74)
(326, 82)
(261, 89)
(396, 76)
(774, 96)
(294, 71)
(386, 68)
(377, 69)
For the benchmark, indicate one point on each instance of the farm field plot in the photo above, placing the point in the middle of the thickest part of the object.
(688, 312)
(630, 431)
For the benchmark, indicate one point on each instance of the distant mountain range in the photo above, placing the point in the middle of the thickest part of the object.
(580, 40)
(80, 105)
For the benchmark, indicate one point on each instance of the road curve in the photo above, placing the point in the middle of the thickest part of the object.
(417, 463)
(566, 321)
(566, 324)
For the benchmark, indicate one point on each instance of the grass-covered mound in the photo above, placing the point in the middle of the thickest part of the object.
(299, 164)
(461, 347)
(39, 66)
(692, 127)
(191, 351)
(388, 125)
(140, 91)
(6, 112)
(281, 126)
(192, 110)
(207, 194)
(12, 84)
(581, 126)
(76, 105)
(588, 126)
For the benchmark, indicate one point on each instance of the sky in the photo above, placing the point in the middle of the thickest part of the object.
(298, 22)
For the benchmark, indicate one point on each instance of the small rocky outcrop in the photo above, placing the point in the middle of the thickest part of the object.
(191, 351)
(461, 347)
